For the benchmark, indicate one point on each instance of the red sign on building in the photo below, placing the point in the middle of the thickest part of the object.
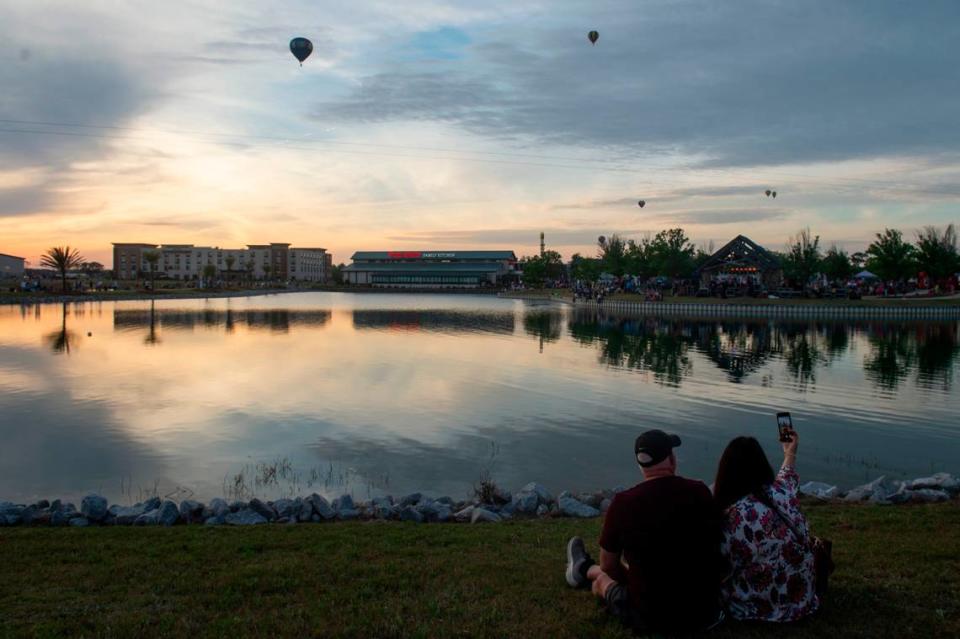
(403, 255)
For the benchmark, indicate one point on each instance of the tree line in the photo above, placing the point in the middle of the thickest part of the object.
(672, 254)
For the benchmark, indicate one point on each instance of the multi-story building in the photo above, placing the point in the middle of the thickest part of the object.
(189, 262)
(11, 266)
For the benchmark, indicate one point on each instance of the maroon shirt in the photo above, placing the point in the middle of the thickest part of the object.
(668, 530)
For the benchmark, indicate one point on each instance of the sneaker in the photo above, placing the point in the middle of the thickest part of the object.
(578, 561)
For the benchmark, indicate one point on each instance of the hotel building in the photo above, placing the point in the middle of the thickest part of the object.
(187, 262)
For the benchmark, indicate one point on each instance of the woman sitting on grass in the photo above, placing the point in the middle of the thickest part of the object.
(772, 576)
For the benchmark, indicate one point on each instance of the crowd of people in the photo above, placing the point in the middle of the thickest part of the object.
(676, 557)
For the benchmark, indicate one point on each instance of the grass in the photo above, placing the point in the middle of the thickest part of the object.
(898, 575)
(566, 295)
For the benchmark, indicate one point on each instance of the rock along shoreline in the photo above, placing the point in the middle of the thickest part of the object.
(531, 501)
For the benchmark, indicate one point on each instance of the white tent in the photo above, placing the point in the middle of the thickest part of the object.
(865, 275)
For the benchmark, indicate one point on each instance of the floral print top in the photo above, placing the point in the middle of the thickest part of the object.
(772, 574)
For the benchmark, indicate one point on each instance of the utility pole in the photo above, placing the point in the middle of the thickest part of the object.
(543, 247)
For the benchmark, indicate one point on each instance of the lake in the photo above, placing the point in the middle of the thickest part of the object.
(384, 393)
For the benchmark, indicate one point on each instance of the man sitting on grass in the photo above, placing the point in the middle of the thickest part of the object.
(660, 563)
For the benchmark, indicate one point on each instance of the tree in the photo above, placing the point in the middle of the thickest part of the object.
(209, 272)
(836, 264)
(890, 257)
(639, 258)
(152, 257)
(672, 253)
(613, 253)
(62, 259)
(229, 260)
(704, 253)
(534, 271)
(249, 266)
(936, 252)
(538, 268)
(337, 273)
(91, 267)
(266, 272)
(802, 260)
(858, 261)
(585, 269)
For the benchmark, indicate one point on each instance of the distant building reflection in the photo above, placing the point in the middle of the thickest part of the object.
(433, 320)
(278, 320)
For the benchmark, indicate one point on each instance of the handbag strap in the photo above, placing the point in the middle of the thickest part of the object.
(765, 499)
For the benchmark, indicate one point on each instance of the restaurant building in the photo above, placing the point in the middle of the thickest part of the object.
(431, 269)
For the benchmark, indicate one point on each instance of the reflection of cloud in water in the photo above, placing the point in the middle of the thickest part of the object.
(57, 445)
(434, 320)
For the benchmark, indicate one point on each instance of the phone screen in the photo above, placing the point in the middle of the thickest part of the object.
(784, 426)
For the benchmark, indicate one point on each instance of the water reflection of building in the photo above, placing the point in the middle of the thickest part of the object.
(431, 269)
(184, 319)
(434, 320)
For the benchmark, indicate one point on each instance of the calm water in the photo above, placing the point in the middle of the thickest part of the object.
(389, 393)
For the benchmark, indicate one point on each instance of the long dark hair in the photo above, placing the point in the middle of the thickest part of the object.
(743, 470)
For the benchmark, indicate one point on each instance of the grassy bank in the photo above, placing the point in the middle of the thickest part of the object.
(898, 575)
(909, 302)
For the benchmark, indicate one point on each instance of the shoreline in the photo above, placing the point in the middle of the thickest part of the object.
(943, 308)
(491, 505)
(19, 299)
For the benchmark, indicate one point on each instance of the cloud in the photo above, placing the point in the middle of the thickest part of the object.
(510, 237)
(725, 216)
(748, 83)
(24, 200)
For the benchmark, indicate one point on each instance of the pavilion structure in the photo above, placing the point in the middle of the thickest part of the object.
(742, 259)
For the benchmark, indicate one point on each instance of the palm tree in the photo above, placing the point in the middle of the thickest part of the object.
(60, 340)
(151, 338)
(152, 257)
(209, 272)
(266, 272)
(62, 259)
(250, 270)
(229, 260)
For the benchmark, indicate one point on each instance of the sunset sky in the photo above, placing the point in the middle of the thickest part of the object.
(468, 125)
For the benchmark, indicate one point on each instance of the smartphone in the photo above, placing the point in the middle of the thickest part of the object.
(784, 426)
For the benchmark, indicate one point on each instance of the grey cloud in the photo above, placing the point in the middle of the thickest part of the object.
(24, 201)
(63, 89)
(555, 237)
(742, 83)
(726, 216)
(597, 204)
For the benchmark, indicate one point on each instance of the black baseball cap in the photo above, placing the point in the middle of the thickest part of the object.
(653, 446)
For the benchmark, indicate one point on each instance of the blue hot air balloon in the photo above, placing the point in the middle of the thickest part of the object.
(301, 48)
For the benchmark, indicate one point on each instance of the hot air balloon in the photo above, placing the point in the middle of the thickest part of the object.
(301, 48)
(774, 194)
(601, 240)
(593, 36)
(768, 192)
(642, 203)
